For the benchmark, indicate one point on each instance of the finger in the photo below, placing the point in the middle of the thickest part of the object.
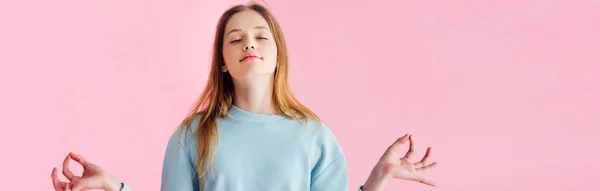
(426, 168)
(424, 160)
(79, 159)
(425, 181)
(55, 181)
(403, 139)
(68, 187)
(63, 184)
(66, 170)
(405, 161)
(411, 150)
(418, 164)
(58, 185)
(399, 141)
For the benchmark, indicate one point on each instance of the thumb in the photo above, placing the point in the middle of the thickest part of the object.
(399, 142)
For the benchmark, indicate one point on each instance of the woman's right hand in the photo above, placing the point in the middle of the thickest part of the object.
(93, 177)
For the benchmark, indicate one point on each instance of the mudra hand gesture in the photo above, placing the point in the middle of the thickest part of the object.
(93, 177)
(393, 165)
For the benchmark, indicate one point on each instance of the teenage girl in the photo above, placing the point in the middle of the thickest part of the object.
(247, 131)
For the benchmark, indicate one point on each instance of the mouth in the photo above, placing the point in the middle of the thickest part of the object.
(249, 58)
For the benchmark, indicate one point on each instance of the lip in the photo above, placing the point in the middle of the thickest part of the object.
(249, 56)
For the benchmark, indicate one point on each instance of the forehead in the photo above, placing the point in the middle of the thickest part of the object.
(246, 20)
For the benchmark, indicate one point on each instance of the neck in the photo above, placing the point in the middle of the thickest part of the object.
(254, 95)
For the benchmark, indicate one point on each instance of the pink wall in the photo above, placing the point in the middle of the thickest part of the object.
(506, 92)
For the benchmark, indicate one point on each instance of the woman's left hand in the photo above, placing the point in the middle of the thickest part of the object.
(392, 165)
(93, 177)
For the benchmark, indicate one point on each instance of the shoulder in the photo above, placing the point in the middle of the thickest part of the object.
(325, 143)
(320, 130)
(185, 131)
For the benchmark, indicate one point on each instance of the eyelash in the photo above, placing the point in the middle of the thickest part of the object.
(262, 38)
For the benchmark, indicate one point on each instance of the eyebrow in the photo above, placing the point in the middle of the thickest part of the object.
(256, 27)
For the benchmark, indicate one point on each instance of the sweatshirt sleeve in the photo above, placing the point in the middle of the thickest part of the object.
(126, 187)
(178, 168)
(334, 176)
(330, 171)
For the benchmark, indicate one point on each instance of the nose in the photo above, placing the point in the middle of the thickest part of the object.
(249, 46)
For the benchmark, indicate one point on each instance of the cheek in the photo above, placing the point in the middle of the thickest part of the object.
(229, 55)
(271, 51)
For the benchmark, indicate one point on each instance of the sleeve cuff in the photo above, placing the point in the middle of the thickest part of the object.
(125, 187)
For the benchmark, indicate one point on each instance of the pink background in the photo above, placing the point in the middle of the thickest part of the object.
(506, 92)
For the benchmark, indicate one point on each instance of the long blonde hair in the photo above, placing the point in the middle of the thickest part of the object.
(218, 94)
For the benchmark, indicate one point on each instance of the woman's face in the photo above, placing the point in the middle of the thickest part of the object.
(249, 49)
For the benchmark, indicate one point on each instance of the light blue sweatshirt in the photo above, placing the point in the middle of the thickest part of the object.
(259, 152)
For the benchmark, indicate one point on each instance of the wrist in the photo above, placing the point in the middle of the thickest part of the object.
(111, 184)
(378, 178)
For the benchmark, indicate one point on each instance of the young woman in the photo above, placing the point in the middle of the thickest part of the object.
(248, 132)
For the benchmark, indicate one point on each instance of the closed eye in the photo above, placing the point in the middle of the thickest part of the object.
(238, 40)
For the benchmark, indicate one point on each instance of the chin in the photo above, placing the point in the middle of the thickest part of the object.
(254, 75)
